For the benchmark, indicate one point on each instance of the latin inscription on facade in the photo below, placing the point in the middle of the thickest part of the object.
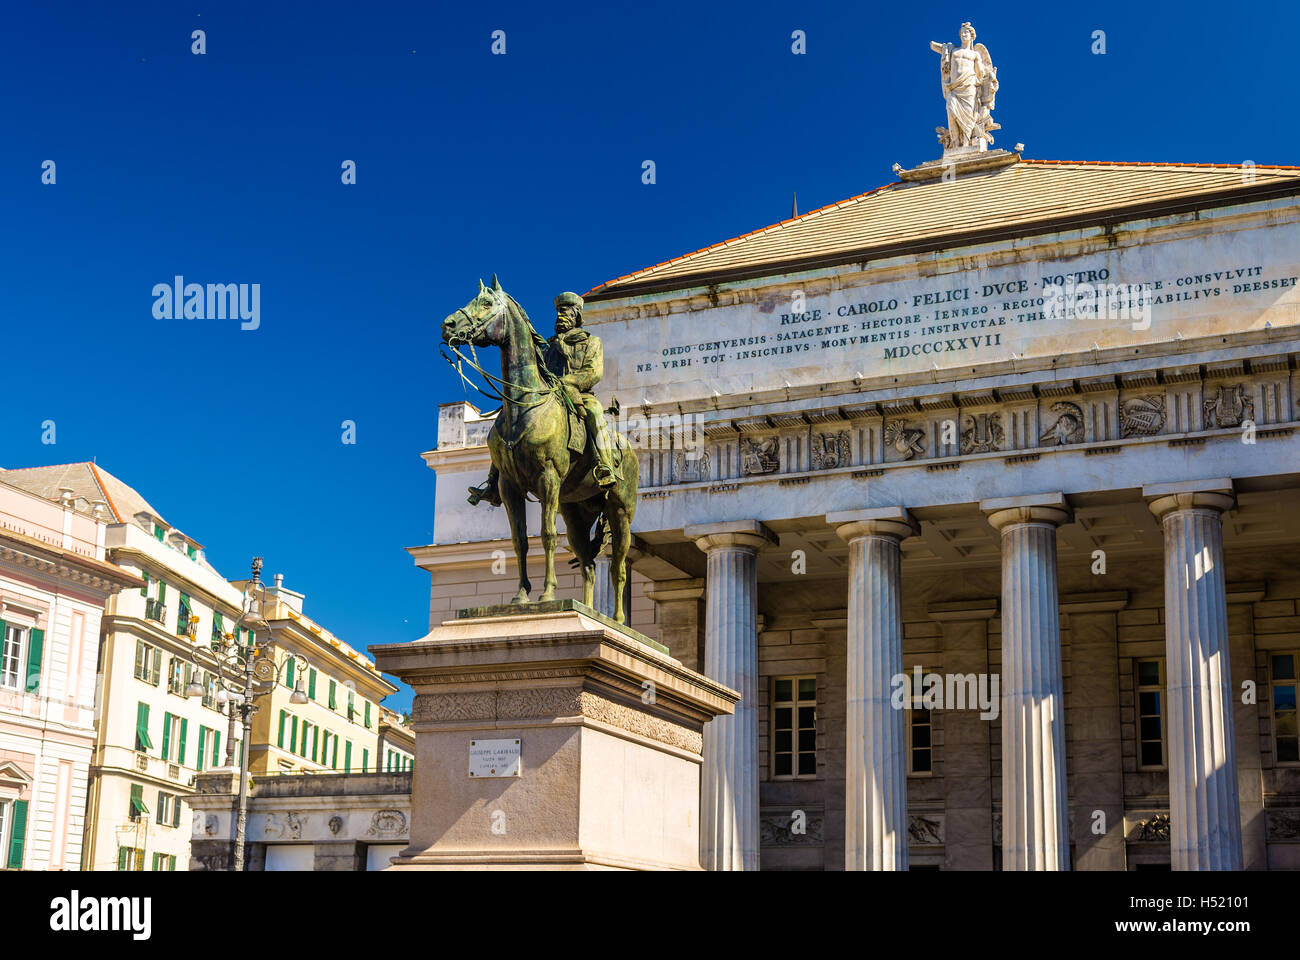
(1186, 288)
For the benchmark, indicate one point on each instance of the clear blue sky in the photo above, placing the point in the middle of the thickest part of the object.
(225, 167)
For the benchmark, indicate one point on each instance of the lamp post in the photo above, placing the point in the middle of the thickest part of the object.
(241, 703)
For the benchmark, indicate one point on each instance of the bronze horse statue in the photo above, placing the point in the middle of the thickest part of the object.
(531, 447)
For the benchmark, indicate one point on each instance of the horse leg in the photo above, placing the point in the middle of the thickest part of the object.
(577, 523)
(620, 528)
(513, 499)
(548, 492)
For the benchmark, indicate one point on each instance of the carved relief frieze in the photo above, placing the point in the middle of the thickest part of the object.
(691, 467)
(982, 433)
(907, 441)
(1142, 416)
(782, 829)
(759, 456)
(925, 828)
(1229, 407)
(1068, 426)
(830, 450)
(389, 824)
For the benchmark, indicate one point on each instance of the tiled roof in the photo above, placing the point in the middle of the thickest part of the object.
(88, 482)
(910, 216)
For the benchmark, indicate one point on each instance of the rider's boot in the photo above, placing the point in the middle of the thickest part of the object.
(604, 467)
(487, 491)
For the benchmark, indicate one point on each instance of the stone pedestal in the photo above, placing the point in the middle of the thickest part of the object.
(1204, 813)
(875, 807)
(610, 733)
(1035, 822)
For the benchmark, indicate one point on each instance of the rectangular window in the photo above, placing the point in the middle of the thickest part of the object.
(352, 705)
(333, 696)
(365, 760)
(218, 629)
(137, 808)
(184, 610)
(165, 810)
(284, 719)
(12, 659)
(920, 732)
(794, 727)
(1150, 678)
(142, 741)
(148, 662)
(129, 858)
(209, 690)
(176, 676)
(158, 532)
(171, 737)
(367, 703)
(1282, 679)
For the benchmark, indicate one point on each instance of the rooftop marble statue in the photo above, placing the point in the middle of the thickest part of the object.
(550, 438)
(970, 83)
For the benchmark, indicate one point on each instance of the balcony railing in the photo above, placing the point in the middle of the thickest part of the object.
(155, 610)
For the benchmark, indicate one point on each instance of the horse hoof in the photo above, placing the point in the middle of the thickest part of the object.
(520, 597)
(546, 597)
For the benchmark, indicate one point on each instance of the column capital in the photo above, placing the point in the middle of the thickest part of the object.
(731, 533)
(1166, 498)
(1050, 508)
(894, 522)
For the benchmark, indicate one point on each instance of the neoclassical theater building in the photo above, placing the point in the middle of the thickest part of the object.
(1006, 580)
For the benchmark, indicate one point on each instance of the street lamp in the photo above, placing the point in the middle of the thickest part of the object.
(240, 703)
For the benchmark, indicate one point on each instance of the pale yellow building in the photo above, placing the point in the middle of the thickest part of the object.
(338, 729)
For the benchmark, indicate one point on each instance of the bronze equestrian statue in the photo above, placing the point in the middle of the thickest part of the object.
(550, 438)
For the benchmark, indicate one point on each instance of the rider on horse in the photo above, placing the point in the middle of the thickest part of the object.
(577, 359)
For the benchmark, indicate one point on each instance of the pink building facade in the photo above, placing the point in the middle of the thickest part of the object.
(54, 582)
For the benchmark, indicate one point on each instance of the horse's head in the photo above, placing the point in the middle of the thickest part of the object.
(481, 321)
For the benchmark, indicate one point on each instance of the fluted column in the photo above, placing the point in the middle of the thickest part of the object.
(602, 600)
(875, 800)
(729, 777)
(1035, 818)
(1204, 812)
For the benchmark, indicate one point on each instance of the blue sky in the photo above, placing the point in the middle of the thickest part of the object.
(225, 168)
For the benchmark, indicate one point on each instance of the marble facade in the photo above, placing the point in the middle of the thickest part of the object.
(1061, 505)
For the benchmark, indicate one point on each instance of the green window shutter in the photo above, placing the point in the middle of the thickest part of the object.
(183, 616)
(334, 752)
(17, 835)
(288, 674)
(365, 760)
(315, 742)
(158, 533)
(122, 853)
(180, 753)
(162, 592)
(142, 741)
(347, 757)
(333, 696)
(216, 748)
(203, 742)
(171, 861)
(293, 734)
(367, 714)
(284, 717)
(176, 813)
(167, 736)
(137, 801)
(156, 672)
(144, 590)
(311, 684)
(36, 646)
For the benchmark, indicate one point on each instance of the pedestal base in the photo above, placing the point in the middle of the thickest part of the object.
(609, 735)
